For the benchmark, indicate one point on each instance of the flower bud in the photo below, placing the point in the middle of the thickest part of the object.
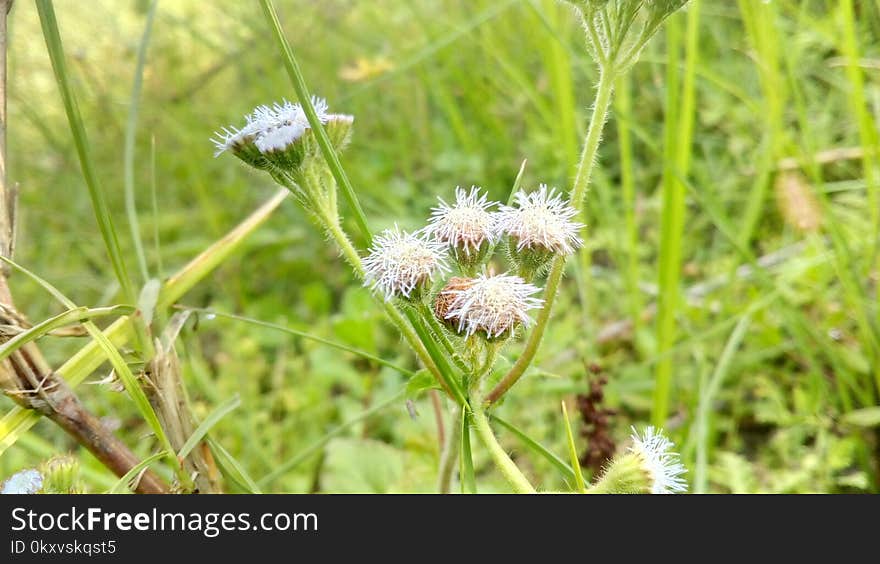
(61, 475)
(466, 227)
(280, 137)
(648, 467)
(403, 265)
(491, 306)
(539, 227)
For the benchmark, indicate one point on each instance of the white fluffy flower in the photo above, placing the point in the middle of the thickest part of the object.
(465, 225)
(659, 461)
(541, 220)
(400, 262)
(494, 304)
(270, 128)
(24, 482)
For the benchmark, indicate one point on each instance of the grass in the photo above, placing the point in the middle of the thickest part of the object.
(761, 379)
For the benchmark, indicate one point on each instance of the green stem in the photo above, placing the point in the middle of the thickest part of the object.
(439, 332)
(345, 246)
(101, 209)
(507, 467)
(302, 91)
(582, 181)
(409, 334)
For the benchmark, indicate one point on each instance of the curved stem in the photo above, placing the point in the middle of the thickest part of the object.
(348, 251)
(581, 183)
(510, 470)
(409, 335)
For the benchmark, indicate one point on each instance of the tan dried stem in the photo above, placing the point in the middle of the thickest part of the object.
(25, 376)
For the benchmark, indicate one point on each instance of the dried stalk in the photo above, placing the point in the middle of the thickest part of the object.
(25, 376)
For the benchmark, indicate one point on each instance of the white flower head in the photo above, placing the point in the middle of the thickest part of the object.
(466, 224)
(541, 220)
(659, 460)
(400, 263)
(270, 129)
(25, 482)
(494, 304)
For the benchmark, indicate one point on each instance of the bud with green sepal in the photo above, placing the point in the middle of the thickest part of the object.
(403, 265)
(538, 228)
(467, 227)
(280, 141)
(649, 466)
(492, 307)
(61, 475)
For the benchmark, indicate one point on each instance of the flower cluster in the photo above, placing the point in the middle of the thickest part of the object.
(405, 265)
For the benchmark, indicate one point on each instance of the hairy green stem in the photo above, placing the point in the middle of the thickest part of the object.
(299, 84)
(582, 181)
(507, 467)
(409, 334)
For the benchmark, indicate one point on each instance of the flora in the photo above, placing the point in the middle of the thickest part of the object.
(439, 285)
(457, 324)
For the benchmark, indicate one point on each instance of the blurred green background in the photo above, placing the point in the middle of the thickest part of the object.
(775, 374)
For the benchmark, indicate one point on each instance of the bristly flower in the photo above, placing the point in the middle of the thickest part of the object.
(467, 226)
(269, 128)
(402, 264)
(542, 220)
(274, 136)
(24, 482)
(659, 460)
(494, 305)
(649, 466)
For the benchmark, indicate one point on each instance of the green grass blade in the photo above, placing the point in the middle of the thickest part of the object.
(309, 336)
(671, 229)
(75, 315)
(316, 446)
(130, 131)
(466, 457)
(102, 211)
(125, 482)
(212, 419)
(707, 396)
(232, 469)
(538, 448)
(572, 453)
(305, 98)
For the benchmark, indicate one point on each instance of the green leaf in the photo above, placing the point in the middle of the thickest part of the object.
(572, 452)
(125, 482)
(421, 382)
(212, 419)
(866, 417)
(537, 448)
(232, 469)
(468, 480)
(361, 466)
